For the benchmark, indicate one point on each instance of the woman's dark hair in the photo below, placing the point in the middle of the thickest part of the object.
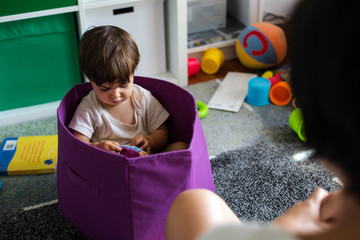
(108, 54)
(325, 55)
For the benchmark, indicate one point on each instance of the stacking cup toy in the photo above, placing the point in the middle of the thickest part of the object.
(274, 79)
(280, 93)
(268, 74)
(296, 123)
(258, 91)
(193, 66)
(212, 60)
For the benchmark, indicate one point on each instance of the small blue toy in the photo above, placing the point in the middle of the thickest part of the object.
(132, 148)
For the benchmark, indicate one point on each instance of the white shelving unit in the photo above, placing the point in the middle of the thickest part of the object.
(175, 42)
(175, 24)
(223, 37)
(19, 115)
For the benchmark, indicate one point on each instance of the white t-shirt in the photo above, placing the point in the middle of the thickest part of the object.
(93, 121)
(246, 232)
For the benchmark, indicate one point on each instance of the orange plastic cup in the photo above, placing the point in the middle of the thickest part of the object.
(280, 93)
(212, 60)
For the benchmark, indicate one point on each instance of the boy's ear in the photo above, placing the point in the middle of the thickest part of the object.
(91, 81)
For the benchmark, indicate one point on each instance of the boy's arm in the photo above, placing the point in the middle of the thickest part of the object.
(154, 142)
(110, 146)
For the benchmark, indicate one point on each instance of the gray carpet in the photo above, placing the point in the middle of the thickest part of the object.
(257, 182)
(41, 223)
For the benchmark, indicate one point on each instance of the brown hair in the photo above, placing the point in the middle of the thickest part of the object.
(108, 54)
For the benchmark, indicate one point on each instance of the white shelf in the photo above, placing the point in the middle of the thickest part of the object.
(168, 76)
(221, 44)
(91, 4)
(35, 14)
(227, 47)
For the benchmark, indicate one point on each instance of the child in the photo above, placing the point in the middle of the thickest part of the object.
(117, 111)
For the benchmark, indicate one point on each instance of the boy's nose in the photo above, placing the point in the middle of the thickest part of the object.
(116, 93)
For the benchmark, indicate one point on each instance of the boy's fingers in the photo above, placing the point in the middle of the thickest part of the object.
(135, 141)
(139, 142)
(114, 146)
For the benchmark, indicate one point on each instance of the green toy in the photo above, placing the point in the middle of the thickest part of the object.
(202, 109)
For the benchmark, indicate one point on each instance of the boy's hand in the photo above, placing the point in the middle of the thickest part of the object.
(142, 142)
(110, 146)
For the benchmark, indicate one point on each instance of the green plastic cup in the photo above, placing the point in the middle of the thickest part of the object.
(296, 122)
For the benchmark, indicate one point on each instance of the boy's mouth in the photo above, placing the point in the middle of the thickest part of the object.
(117, 101)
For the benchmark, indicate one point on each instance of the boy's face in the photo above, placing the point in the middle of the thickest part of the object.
(113, 94)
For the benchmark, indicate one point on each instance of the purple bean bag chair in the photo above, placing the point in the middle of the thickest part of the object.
(110, 196)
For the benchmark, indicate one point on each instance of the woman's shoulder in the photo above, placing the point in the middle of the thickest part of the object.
(247, 232)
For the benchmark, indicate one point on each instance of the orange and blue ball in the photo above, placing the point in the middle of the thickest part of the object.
(261, 45)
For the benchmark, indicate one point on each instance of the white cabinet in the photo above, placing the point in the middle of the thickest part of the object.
(144, 20)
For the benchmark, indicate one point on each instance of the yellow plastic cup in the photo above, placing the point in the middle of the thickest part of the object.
(212, 60)
(296, 122)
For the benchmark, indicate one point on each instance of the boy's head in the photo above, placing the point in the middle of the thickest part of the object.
(108, 54)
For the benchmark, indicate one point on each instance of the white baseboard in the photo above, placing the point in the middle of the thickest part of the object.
(19, 115)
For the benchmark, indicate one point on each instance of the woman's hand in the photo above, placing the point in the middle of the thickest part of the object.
(309, 216)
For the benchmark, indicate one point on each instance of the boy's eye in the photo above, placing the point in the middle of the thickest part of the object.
(124, 86)
(104, 89)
